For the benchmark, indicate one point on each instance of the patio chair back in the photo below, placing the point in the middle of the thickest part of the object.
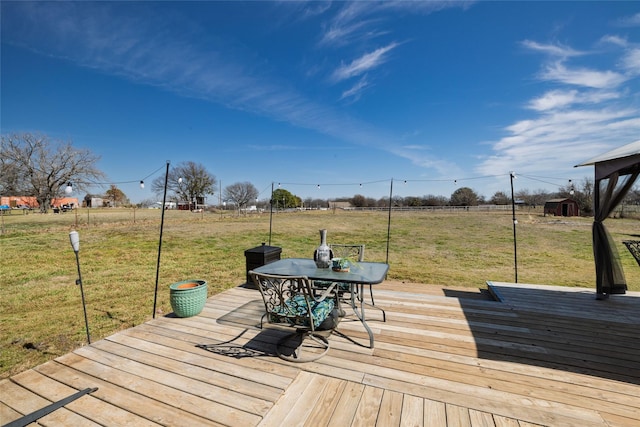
(291, 301)
(355, 252)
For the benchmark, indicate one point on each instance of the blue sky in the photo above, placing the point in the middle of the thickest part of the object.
(324, 96)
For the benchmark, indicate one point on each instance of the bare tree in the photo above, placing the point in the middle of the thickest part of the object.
(39, 167)
(412, 201)
(241, 193)
(316, 203)
(115, 195)
(500, 198)
(382, 202)
(539, 197)
(633, 197)
(189, 182)
(359, 201)
(10, 182)
(397, 201)
(432, 200)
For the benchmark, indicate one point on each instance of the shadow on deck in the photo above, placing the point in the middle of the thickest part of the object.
(561, 328)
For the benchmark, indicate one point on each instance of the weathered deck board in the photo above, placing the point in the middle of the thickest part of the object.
(542, 356)
(100, 412)
(26, 400)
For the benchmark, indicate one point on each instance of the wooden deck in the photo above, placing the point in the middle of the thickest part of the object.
(445, 357)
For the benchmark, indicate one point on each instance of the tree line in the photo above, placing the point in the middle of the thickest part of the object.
(34, 165)
(582, 193)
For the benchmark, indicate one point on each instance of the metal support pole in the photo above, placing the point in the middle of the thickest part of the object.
(515, 222)
(75, 244)
(164, 201)
(84, 305)
(389, 220)
(270, 214)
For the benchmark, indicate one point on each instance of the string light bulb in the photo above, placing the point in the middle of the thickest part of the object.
(69, 188)
(141, 184)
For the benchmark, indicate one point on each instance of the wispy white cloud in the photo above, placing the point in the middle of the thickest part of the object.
(575, 115)
(554, 141)
(558, 72)
(552, 49)
(313, 8)
(581, 117)
(631, 61)
(359, 23)
(146, 49)
(365, 63)
(561, 125)
(360, 20)
(631, 53)
(355, 91)
(425, 158)
(282, 147)
(614, 40)
(629, 21)
(557, 99)
(349, 25)
(416, 147)
(553, 99)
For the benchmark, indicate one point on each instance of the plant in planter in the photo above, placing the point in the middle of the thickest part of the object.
(343, 264)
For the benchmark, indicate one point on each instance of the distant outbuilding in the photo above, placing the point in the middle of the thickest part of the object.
(561, 207)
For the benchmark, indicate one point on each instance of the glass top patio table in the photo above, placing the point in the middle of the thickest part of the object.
(362, 273)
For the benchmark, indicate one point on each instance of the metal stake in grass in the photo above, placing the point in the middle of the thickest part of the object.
(512, 175)
(164, 206)
(75, 244)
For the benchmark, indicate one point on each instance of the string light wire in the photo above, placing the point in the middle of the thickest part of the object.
(139, 181)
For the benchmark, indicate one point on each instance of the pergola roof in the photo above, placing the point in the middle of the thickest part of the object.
(622, 159)
(624, 151)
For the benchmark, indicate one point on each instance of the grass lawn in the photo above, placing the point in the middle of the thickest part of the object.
(41, 311)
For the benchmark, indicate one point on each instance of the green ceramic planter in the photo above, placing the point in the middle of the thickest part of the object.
(188, 297)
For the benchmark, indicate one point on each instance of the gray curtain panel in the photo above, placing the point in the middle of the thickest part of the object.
(609, 192)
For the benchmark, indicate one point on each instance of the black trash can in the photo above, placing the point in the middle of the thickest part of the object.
(259, 256)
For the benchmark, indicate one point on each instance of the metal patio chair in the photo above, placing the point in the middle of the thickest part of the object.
(634, 248)
(290, 302)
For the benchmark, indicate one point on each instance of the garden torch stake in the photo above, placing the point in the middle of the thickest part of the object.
(75, 244)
